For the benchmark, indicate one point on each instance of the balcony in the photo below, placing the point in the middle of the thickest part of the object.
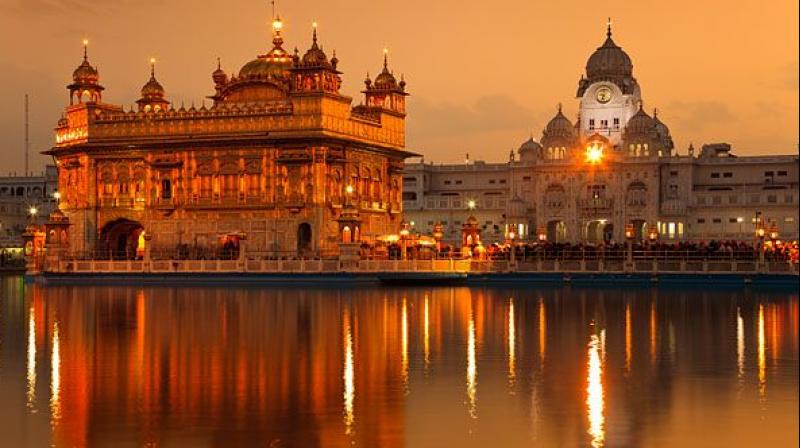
(596, 204)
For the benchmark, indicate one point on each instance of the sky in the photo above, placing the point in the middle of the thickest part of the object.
(483, 76)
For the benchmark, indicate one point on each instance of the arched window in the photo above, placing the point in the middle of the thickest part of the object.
(166, 189)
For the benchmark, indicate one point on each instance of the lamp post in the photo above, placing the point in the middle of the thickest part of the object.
(513, 255)
(760, 232)
(404, 232)
(629, 235)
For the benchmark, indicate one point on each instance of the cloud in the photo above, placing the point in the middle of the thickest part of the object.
(697, 115)
(487, 114)
(38, 8)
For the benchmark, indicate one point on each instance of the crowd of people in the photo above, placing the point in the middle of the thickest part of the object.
(711, 250)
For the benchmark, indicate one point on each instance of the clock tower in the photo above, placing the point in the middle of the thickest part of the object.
(609, 94)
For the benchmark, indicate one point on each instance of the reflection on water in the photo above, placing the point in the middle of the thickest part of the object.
(55, 377)
(394, 367)
(512, 346)
(349, 383)
(594, 391)
(472, 368)
(31, 364)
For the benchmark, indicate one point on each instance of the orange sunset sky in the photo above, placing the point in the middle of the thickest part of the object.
(483, 76)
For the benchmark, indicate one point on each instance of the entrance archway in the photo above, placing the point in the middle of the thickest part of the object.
(556, 231)
(304, 239)
(121, 239)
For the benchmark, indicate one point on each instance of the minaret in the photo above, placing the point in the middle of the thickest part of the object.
(85, 87)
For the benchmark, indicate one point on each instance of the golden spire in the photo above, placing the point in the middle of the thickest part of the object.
(314, 36)
(608, 30)
(153, 68)
(85, 49)
(385, 59)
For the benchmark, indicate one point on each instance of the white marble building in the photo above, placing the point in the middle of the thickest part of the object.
(615, 166)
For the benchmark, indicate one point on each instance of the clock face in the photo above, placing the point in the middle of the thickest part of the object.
(603, 95)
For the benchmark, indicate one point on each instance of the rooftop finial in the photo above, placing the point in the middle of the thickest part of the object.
(559, 107)
(386, 59)
(314, 37)
(152, 67)
(85, 49)
(608, 31)
(219, 63)
(655, 112)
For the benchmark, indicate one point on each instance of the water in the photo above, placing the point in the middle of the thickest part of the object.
(416, 367)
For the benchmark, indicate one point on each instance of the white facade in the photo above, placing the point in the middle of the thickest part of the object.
(616, 167)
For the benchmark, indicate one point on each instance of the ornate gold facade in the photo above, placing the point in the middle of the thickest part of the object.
(274, 160)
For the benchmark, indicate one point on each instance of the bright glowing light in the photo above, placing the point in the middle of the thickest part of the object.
(426, 334)
(85, 42)
(595, 401)
(152, 60)
(628, 337)
(31, 365)
(33, 211)
(542, 329)
(512, 343)
(55, 376)
(314, 24)
(471, 204)
(348, 189)
(404, 343)
(740, 220)
(277, 24)
(594, 153)
(56, 195)
(740, 342)
(348, 377)
(472, 369)
(762, 354)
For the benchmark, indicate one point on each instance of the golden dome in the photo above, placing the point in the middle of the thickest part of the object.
(276, 63)
(85, 73)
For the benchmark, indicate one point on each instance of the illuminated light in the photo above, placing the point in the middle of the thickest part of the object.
(55, 376)
(31, 364)
(628, 338)
(653, 332)
(542, 329)
(762, 355)
(33, 211)
(471, 204)
(512, 342)
(56, 195)
(277, 24)
(85, 42)
(594, 153)
(152, 60)
(348, 189)
(426, 334)
(740, 220)
(740, 342)
(595, 401)
(314, 24)
(404, 344)
(472, 370)
(348, 376)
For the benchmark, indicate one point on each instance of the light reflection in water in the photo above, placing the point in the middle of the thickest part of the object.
(55, 377)
(628, 338)
(762, 356)
(653, 332)
(472, 369)
(349, 375)
(31, 364)
(594, 390)
(739, 342)
(542, 329)
(426, 334)
(512, 360)
(404, 344)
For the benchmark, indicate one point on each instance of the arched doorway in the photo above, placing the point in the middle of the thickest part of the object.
(556, 231)
(304, 239)
(121, 239)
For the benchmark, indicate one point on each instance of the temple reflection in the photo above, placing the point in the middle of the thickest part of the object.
(344, 366)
